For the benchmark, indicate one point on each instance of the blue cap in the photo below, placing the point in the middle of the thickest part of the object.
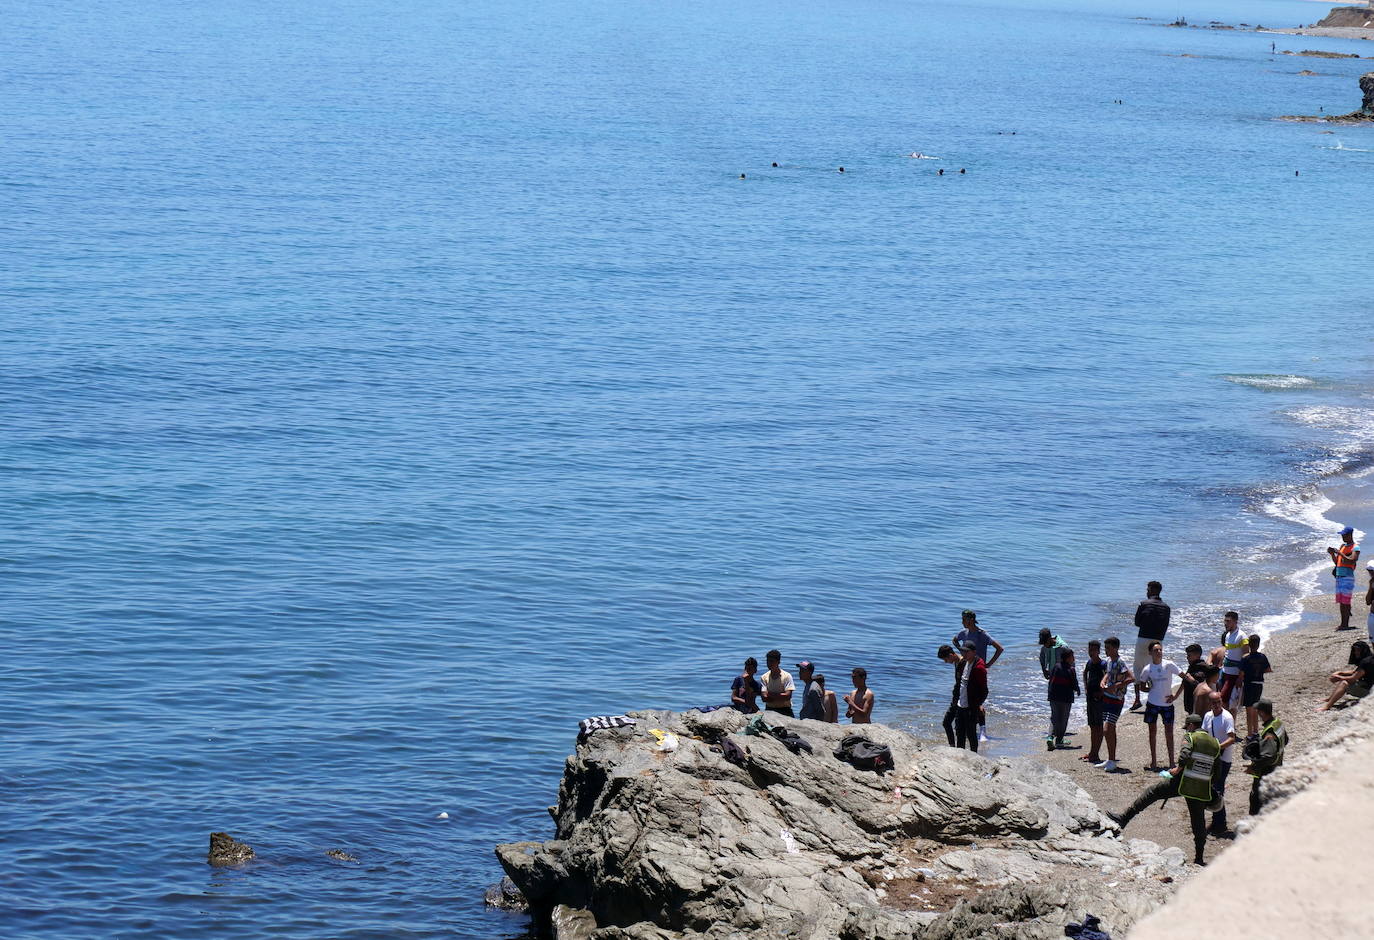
(1348, 530)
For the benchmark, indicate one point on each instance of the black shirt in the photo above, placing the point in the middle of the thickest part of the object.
(1152, 619)
(1092, 679)
(1254, 665)
(1367, 664)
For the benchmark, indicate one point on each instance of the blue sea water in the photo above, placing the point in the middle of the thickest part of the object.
(388, 386)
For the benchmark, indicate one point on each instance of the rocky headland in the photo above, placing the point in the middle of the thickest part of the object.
(728, 835)
(1363, 115)
(1340, 23)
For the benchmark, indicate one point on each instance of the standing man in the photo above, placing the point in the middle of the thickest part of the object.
(1221, 726)
(1268, 752)
(1050, 645)
(1191, 779)
(1159, 707)
(1233, 644)
(860, 701)
(1198, 671)
(830, 712)
(1115, 680)
(1151, 623)
(948, 656)
(1092, 698)
(746, 688)
(1254, 667)
(813, 700)
(1063, 689)
(973, 692)
(1345, 559)
(972, 633)
(777, 686)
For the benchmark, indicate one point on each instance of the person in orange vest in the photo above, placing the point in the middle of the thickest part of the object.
(1344, 559)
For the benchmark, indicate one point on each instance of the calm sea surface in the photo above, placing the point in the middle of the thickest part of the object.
(387, 386)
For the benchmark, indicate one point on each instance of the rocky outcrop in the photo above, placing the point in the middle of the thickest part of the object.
(1363, 115)
(683, 843)
(226, 850)
(1348, 17)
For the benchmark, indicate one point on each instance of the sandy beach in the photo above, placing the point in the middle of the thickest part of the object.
(1302, 657)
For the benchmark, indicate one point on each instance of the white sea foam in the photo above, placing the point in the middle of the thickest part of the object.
(1305, 506)
(1271, 381)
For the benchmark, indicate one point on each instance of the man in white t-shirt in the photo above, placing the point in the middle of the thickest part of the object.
(1159, 707)
(1220, 725)
(777, 686)
(1234, 643)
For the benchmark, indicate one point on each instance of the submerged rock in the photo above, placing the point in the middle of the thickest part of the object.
(687, 844)
(506, 896)
(226, 850)
(339, 855)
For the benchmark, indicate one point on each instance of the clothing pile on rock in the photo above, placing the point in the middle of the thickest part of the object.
(1090, 929)
(790, 739)
(864, 754)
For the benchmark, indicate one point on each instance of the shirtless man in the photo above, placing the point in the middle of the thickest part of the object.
(860, 701)
(830, 711)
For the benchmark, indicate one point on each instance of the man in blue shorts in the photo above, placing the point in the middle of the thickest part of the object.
(1159, 706)
(1116, 679)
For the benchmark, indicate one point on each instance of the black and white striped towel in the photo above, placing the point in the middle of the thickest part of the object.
(587, 725)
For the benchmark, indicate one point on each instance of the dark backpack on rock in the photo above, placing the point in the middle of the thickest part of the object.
(864, 754)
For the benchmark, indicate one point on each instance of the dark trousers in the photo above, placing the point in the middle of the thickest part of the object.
(1219, 786)
(966, 728)
(950, 717)
(1059, 719)
(1197, 820)
(1255, 797)
(1167, 790)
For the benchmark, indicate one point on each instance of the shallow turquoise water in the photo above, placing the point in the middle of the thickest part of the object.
(389, 386)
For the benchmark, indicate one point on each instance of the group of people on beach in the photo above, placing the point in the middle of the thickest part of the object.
(1214, 685)
(776, 688)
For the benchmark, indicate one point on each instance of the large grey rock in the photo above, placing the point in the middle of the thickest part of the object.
(684, 844)
(1367, 89)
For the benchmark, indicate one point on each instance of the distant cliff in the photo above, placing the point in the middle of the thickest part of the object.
(1349, 18)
